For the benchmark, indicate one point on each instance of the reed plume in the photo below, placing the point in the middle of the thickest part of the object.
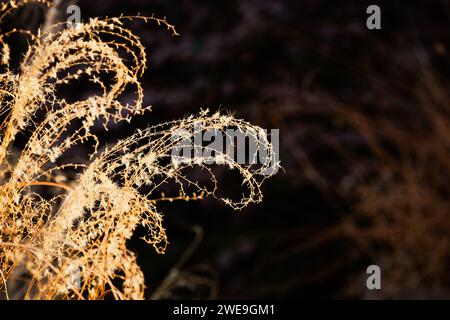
(64, 235)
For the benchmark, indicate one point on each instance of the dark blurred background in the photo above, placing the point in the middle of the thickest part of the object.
(353, 108)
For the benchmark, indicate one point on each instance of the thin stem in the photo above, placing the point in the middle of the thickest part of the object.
(5, 284)
(48, 184)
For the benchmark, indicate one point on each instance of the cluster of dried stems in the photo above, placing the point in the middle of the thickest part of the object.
(400, 219)
(387, 181)
(64, 236)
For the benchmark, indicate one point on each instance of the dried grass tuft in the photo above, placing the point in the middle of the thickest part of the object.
(64, 237)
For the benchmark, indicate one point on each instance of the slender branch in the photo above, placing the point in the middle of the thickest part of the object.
(5, 284)
(175, 270)
(48, 184)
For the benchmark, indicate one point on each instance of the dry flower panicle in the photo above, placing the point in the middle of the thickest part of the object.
(73, 245)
